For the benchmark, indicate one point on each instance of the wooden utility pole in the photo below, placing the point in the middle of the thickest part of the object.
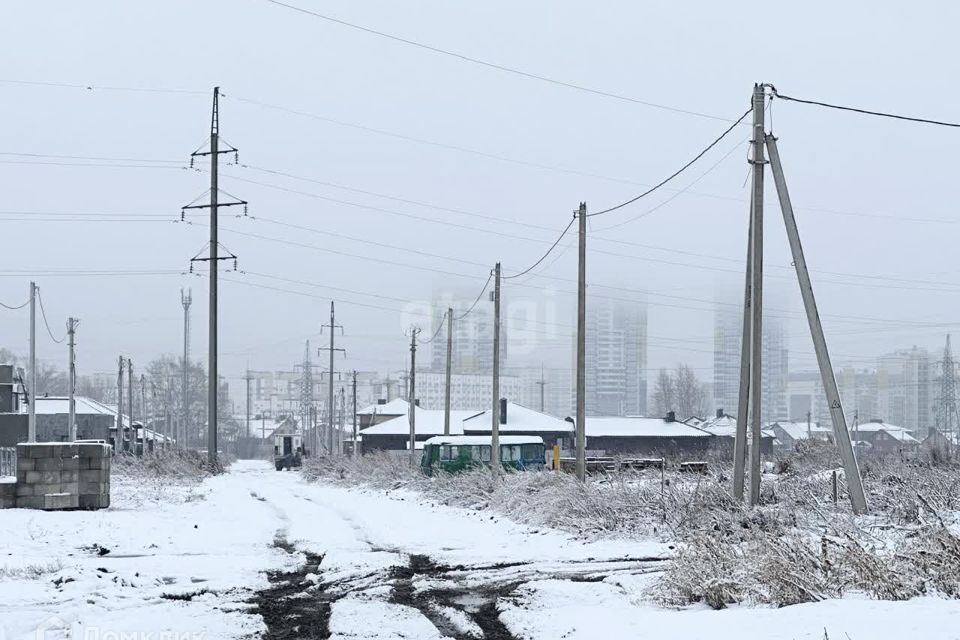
(841, 435)
(756, 295)
(122, 443)
(133, 429)
(356, 444)
(446, 391)
(495, 413)
(32, 408)
(412, 397)
(248, 379)
(72, 381)
(580, 426)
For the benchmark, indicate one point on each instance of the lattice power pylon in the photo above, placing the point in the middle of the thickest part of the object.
(948, 420)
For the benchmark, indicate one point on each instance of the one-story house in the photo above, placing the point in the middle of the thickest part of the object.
(884, 437)
(381, 412)
(394, 434)
(724, 427)
(645, 436)
(790, 433)
(518, 420)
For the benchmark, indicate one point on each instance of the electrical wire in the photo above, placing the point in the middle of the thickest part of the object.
(868, 112)
(43, 314)
(544, 256)
(92, 87)
(437, 332)
(492, 65)
(472, 306)
(73, 157)
(678, 171)
(12, 308)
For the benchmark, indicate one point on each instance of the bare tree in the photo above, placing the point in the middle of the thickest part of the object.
(691, 393)
(664, 393)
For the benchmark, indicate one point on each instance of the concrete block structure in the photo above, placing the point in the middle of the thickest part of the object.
(59, 476)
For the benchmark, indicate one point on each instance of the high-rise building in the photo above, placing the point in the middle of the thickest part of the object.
(727, 336)
(616, 358)
(472, 334)
(905, 389)
(468, 391)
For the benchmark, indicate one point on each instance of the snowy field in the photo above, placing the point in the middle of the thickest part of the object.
(256, 552)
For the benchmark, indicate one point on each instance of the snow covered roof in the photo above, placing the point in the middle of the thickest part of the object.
(871, 427)
(428, 422)
(396, 407)
(902, 435)
(799, 430)
(53, 405)
(474, 440)
(519, 418)
(604, 426)
(726, 427)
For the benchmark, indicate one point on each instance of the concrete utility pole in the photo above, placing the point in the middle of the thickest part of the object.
(756, 295)
(495, 412)
(133, 429)
(72, 381)
(214, 257)
(743, 401)
(248, 379)
(183, 437)
(120, 439)
(446, 391)
(143, 410)
(356, 444)
(32, 415)
(858, 499)
(331, 407)
(412, 397)
(580, 425)
(212, 378)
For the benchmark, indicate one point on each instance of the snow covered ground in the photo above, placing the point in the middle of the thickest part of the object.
(255, 551)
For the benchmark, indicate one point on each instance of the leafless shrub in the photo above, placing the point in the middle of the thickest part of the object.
(166, 463)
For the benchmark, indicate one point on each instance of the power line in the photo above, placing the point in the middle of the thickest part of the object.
(43, 314)
(675, 173)
(78, 157)
(435, 333)
(544, 256)
(868, 112)
(93, 87)
(480, 295)
(14, 308)
(492, 65)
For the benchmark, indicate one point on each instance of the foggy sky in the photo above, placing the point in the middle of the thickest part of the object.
(699, 56)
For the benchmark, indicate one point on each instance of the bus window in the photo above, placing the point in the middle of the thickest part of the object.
(532, 452)
(448, 452)
(484, 453)
(510, 453)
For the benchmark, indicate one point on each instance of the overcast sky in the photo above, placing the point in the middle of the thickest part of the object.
(505, 146)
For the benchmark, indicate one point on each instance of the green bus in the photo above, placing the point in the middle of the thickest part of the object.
(456, 453)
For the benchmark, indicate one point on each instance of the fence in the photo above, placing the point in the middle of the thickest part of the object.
(8, 461)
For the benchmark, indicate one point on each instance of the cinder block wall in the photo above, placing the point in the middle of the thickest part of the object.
(60, 475)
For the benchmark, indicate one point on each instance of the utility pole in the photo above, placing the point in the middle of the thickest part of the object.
(412, 397)
(446, 391)
(133, 428)
(356, 444)
(183, 438)
(121, 441)
(72, 381)
(248, 379)
(541, 383)
(743, 401)
(808, 427)
(32, 416)
(756, 294)
(331, 408)
(495, 413)
(143, 410)
(580, 425)
(841, 435)
(214, 257)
